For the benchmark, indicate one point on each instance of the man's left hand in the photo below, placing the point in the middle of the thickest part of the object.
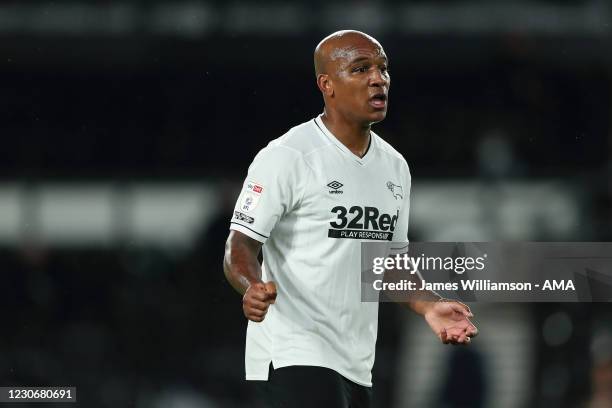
(449, 319)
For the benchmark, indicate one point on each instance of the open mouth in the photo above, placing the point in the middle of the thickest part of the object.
(379, 100)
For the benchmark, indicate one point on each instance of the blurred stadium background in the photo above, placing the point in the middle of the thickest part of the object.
(127, 127)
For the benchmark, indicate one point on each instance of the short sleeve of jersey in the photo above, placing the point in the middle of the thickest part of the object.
(273, 187)
(400, 236)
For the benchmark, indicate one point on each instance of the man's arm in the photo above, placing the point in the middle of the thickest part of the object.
(243, 272)
(240, 262)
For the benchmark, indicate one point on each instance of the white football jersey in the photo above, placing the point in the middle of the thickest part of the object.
(312, 202)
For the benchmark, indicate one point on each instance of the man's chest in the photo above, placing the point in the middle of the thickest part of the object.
(351, 202)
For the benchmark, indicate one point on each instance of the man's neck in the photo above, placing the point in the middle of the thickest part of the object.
(356, 137)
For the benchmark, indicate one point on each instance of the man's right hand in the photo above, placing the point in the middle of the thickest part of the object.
(256, 300)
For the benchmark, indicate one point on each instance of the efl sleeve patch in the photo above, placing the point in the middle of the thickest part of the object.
(250, 198)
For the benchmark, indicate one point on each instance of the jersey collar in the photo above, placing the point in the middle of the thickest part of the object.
(329, 135)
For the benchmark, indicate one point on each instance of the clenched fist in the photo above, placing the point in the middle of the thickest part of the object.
(256, 300)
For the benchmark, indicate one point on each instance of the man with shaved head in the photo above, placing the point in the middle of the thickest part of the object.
(310, 198)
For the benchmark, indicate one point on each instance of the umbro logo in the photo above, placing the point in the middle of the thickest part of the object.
(335, 187)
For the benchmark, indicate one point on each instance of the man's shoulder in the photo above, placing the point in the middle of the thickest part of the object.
(290, 149)
(302, 139)
(389, 150)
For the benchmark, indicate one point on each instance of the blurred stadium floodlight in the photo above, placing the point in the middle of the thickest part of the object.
(170, 215)
(104, 214)
(198, 19)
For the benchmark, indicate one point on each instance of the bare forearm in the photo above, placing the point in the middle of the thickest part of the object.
(419, 300)
(240, 264)
(424, 302)
(241, 268)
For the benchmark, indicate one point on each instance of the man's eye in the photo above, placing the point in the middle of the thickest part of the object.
(360, 69)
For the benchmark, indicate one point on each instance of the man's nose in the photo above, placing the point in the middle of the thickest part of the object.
(378, 78)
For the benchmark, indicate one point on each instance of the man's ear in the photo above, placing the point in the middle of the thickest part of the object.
(325, 84)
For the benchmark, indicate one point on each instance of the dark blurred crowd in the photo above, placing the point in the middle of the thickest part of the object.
(122, 325)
